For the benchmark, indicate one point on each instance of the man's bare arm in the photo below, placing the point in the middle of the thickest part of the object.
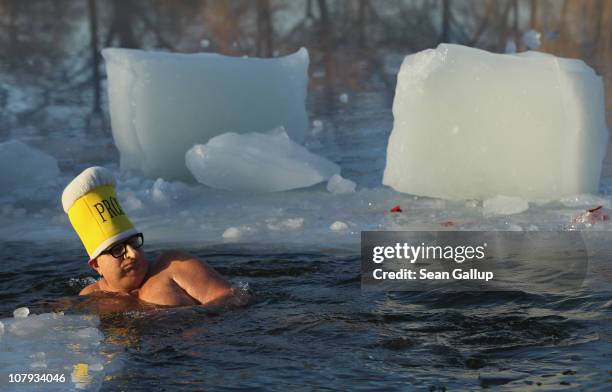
(197, 278)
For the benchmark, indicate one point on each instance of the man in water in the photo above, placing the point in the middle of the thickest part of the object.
(115, 250)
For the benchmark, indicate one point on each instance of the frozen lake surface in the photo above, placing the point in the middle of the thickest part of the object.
(353, 135)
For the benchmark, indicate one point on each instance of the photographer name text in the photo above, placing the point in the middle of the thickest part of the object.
(410, 254)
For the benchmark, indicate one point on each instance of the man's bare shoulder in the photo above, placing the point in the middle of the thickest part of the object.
(92, 288)
(171, 260)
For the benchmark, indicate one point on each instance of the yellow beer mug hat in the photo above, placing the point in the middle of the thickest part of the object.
(94, 211)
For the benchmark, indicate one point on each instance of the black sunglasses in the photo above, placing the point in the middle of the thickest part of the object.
(119, 249)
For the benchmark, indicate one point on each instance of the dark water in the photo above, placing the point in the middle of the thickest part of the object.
(310, 327)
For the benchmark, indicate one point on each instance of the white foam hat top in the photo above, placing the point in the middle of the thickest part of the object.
(82, 184)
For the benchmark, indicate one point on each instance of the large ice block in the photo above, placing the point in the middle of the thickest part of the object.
(161, 104)
(473, 124)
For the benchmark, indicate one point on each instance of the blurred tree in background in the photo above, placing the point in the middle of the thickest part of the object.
(52, 75)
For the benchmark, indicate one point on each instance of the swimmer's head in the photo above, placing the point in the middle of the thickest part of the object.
(94, 211)
(122, 264)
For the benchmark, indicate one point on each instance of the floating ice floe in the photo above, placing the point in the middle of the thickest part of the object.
(470, 124)
(236, 233)
(338, 226)
(25, 168)
(231, 233)
(55, 344)
(257, 162)
(161, 104)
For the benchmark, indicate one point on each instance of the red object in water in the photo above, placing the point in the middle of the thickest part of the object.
(598, 213)
(591, 216)
(397, 208)
(447, 223)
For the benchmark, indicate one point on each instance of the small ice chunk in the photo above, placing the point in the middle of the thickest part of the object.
(344, 98)
(21, 312)
(338, 226)
(317, 126)
(339, 185)
(510, 46)
(27, 326)
(157, 191)
(39, 360)
(165, 192)
(532, 39)
(257, 162)
(96, 367)
(286, 224)
(39, 356)
(90, 333)
(504, 205)
(293, 223)
(232, 233)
